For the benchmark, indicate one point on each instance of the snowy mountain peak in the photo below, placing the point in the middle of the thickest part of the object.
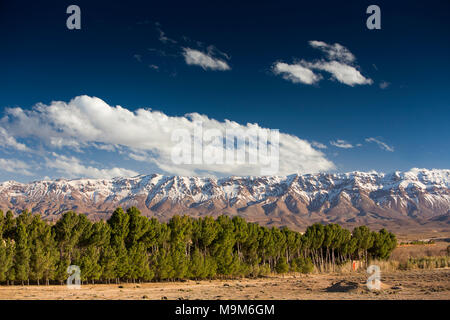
(419, 195)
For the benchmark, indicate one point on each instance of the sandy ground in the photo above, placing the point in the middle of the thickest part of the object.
(416, 284)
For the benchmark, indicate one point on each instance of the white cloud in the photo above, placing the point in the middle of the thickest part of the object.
(15, 166)
(8, 141)
(204, 60)
(163, 38)
(384, 84)
(194, 53)
(334, 51)
(319, 145)
(138, 57)
(341, 144)
(145, 134)
(341, 72)
(71, 167)
(381, 144)
(296, 73)
(339, 63)
(139, 157)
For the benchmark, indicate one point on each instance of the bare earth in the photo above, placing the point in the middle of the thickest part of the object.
(415, 284)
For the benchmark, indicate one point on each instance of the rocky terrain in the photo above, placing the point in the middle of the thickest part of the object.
(415, 199)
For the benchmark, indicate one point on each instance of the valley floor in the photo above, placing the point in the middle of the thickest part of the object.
(413, 284)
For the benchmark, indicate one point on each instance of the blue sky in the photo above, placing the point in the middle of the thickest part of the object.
(134, 55)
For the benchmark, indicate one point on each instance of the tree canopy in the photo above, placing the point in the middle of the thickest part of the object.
(132, 247)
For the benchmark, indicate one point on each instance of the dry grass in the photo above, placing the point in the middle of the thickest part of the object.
(404, 257)
(403, 253)
(411, 284)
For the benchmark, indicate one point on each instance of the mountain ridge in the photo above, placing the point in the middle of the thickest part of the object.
(418, 198)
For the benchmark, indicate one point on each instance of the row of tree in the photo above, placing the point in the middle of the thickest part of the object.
(131, 247)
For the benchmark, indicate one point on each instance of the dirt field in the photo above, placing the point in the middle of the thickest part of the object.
(415, 284)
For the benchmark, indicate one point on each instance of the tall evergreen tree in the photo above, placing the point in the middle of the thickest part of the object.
(22, 256)
(139, 263)
(384, 243)
(89, 264)
(138, 226)
(364, 240)
(2, 223)
(108, 262)
(6, 259)
(131, 247)
(9, 228)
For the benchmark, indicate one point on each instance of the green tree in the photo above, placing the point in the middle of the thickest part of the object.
(9, 227)
(383, 245)
(197, 266)
(240, 234)
(138, 226)
(2, 223)
(108, 262)
(227, 262)
(119, 224)
(163, 266)
(22, 256)
(179, 261)
(89, 264)
(313, 241)
(40, 254)
(70, 233)
(122, 261)
(139, 263)
(302, 264)
(364, 240)
(6, 259)
(282, 266)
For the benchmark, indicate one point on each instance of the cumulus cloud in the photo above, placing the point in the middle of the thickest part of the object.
(341, 144)
(15, 166)
(72, 167)
(340, 63)
(342, 72)
(8, 141)
(143, 135)
(318, 145)
(204, 60)
(334, 51)
(296, 73)
(381, 144)
(195, 53)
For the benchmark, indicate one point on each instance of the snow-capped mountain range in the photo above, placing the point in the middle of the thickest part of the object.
(415, 198)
